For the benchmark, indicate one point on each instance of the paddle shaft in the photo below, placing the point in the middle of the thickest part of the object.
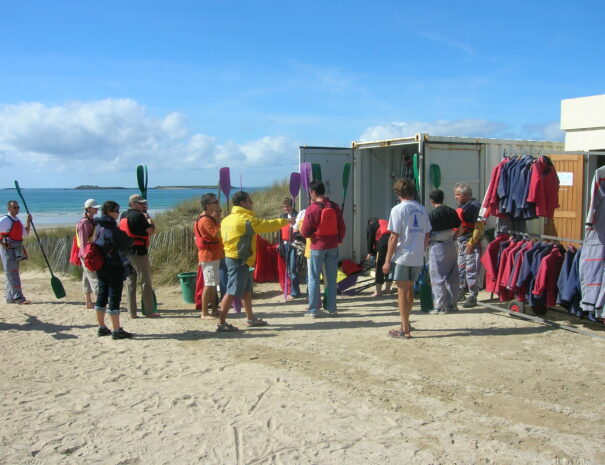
(31, 222)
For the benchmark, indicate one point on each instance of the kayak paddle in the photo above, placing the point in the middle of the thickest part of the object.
(435, 172)
(55, 282)
(305, 176)
(225, 183)
(416, 176)
(346, 173)
(294, 186)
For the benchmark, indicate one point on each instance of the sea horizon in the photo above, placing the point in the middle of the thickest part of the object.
(58, 207)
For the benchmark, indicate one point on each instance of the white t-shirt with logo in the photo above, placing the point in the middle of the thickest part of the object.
(410, 221)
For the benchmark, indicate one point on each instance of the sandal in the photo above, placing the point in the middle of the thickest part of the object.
(256, 322)
(225, 327)
(24, 302)
(399, 334)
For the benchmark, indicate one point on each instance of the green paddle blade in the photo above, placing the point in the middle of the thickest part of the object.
(346, 173)
(435, 173)
(316, 168)
(57, 286)
(415, 168)
(141, 179)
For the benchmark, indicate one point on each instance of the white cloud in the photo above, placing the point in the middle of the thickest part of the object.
(548, 131)
(121, 133)
(461, 128)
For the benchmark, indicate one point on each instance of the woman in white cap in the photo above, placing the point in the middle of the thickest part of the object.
(84, 234)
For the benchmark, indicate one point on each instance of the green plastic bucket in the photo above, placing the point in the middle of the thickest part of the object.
(188, 286)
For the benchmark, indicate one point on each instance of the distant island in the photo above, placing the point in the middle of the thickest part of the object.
(87, 186)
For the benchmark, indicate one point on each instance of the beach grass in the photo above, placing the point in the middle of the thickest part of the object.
(172, 249)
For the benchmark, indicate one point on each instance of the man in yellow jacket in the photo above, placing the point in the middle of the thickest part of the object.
(239, 230)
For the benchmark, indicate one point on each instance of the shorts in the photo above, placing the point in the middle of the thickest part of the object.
(404, 272)
(211, 272)
(89, 281)
(239, 277)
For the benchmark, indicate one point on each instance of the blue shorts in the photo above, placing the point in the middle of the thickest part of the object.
(239, 277)
(405, 273)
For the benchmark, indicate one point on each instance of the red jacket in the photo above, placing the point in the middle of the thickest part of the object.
(548, 273)
(489, 260)
(544, 188)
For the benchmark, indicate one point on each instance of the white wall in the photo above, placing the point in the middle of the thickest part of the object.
(583, 120)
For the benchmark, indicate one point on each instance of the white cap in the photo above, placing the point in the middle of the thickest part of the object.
(91, 203)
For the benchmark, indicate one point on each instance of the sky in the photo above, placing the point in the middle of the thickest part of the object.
(89, 90)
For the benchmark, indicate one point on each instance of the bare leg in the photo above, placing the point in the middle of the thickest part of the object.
(115, 321)
(225, 306)
(405, 300)
(100, 317)
(247, 301)
(88, 299)
(207, 296)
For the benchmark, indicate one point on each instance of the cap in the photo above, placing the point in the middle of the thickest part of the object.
(91, 203)
(136, 198)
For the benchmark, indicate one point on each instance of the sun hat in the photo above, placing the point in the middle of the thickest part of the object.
(136, 198)
(91, 203)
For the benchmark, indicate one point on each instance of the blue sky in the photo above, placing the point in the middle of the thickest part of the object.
(88, 90)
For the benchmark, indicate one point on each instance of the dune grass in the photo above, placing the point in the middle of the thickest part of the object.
(172, 249)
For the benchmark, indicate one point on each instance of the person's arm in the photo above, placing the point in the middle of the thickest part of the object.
(476, 237)
(150, 230)
(83, 235)
(28, 224)
(265, 226)
(310, 222)
(392, 244)
(427, 237)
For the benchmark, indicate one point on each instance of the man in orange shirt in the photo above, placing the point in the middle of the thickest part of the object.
(207, 231)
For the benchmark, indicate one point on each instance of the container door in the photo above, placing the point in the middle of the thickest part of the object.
(456, 163)
(567, 222)
(332, 160)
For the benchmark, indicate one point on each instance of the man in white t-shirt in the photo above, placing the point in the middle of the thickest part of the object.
(409, 226)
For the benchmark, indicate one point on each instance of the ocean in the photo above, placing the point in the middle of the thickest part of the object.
(66, 206)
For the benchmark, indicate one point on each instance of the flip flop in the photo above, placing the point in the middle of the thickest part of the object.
(24, 302)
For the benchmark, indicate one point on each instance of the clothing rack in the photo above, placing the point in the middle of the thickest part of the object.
(543, 236)
(535, 318)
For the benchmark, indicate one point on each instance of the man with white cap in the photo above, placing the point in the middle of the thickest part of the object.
(137, 224)
(84, 234)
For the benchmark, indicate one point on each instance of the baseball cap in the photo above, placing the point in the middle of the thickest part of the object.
(91, 203)
(136, 198)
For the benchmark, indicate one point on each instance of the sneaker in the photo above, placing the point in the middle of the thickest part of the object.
(438, 311)
(103, 331)
(470, 302)
(311, 314)
(462, 297)
(453, 308)
(120, 334)
(333, 314)
(256, 322)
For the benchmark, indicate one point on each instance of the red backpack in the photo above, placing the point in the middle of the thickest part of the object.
(93, 257)
(328, 222)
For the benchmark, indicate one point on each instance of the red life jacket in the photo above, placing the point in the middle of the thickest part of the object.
(328, 221)
(16, 231)
(200, 241)
(285, 232)
(138, 240)
(465, 224)
(382, 229)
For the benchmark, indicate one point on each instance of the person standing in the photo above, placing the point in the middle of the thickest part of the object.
(12, 251)
(409, 226)
(469, 236)
(113, 243)
(84, 234)
(443, 256)
(137, 225)
(377, 236)
(207, 232)
(325, 226)
(287, 250)
(239, 230)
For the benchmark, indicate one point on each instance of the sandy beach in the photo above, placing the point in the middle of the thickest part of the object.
(473, 387)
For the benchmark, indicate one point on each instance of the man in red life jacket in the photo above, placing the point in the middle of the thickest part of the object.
(287, 250)
(469, 236)
(324, 225)
(12, 233)
(137, 224)
(207, 232)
